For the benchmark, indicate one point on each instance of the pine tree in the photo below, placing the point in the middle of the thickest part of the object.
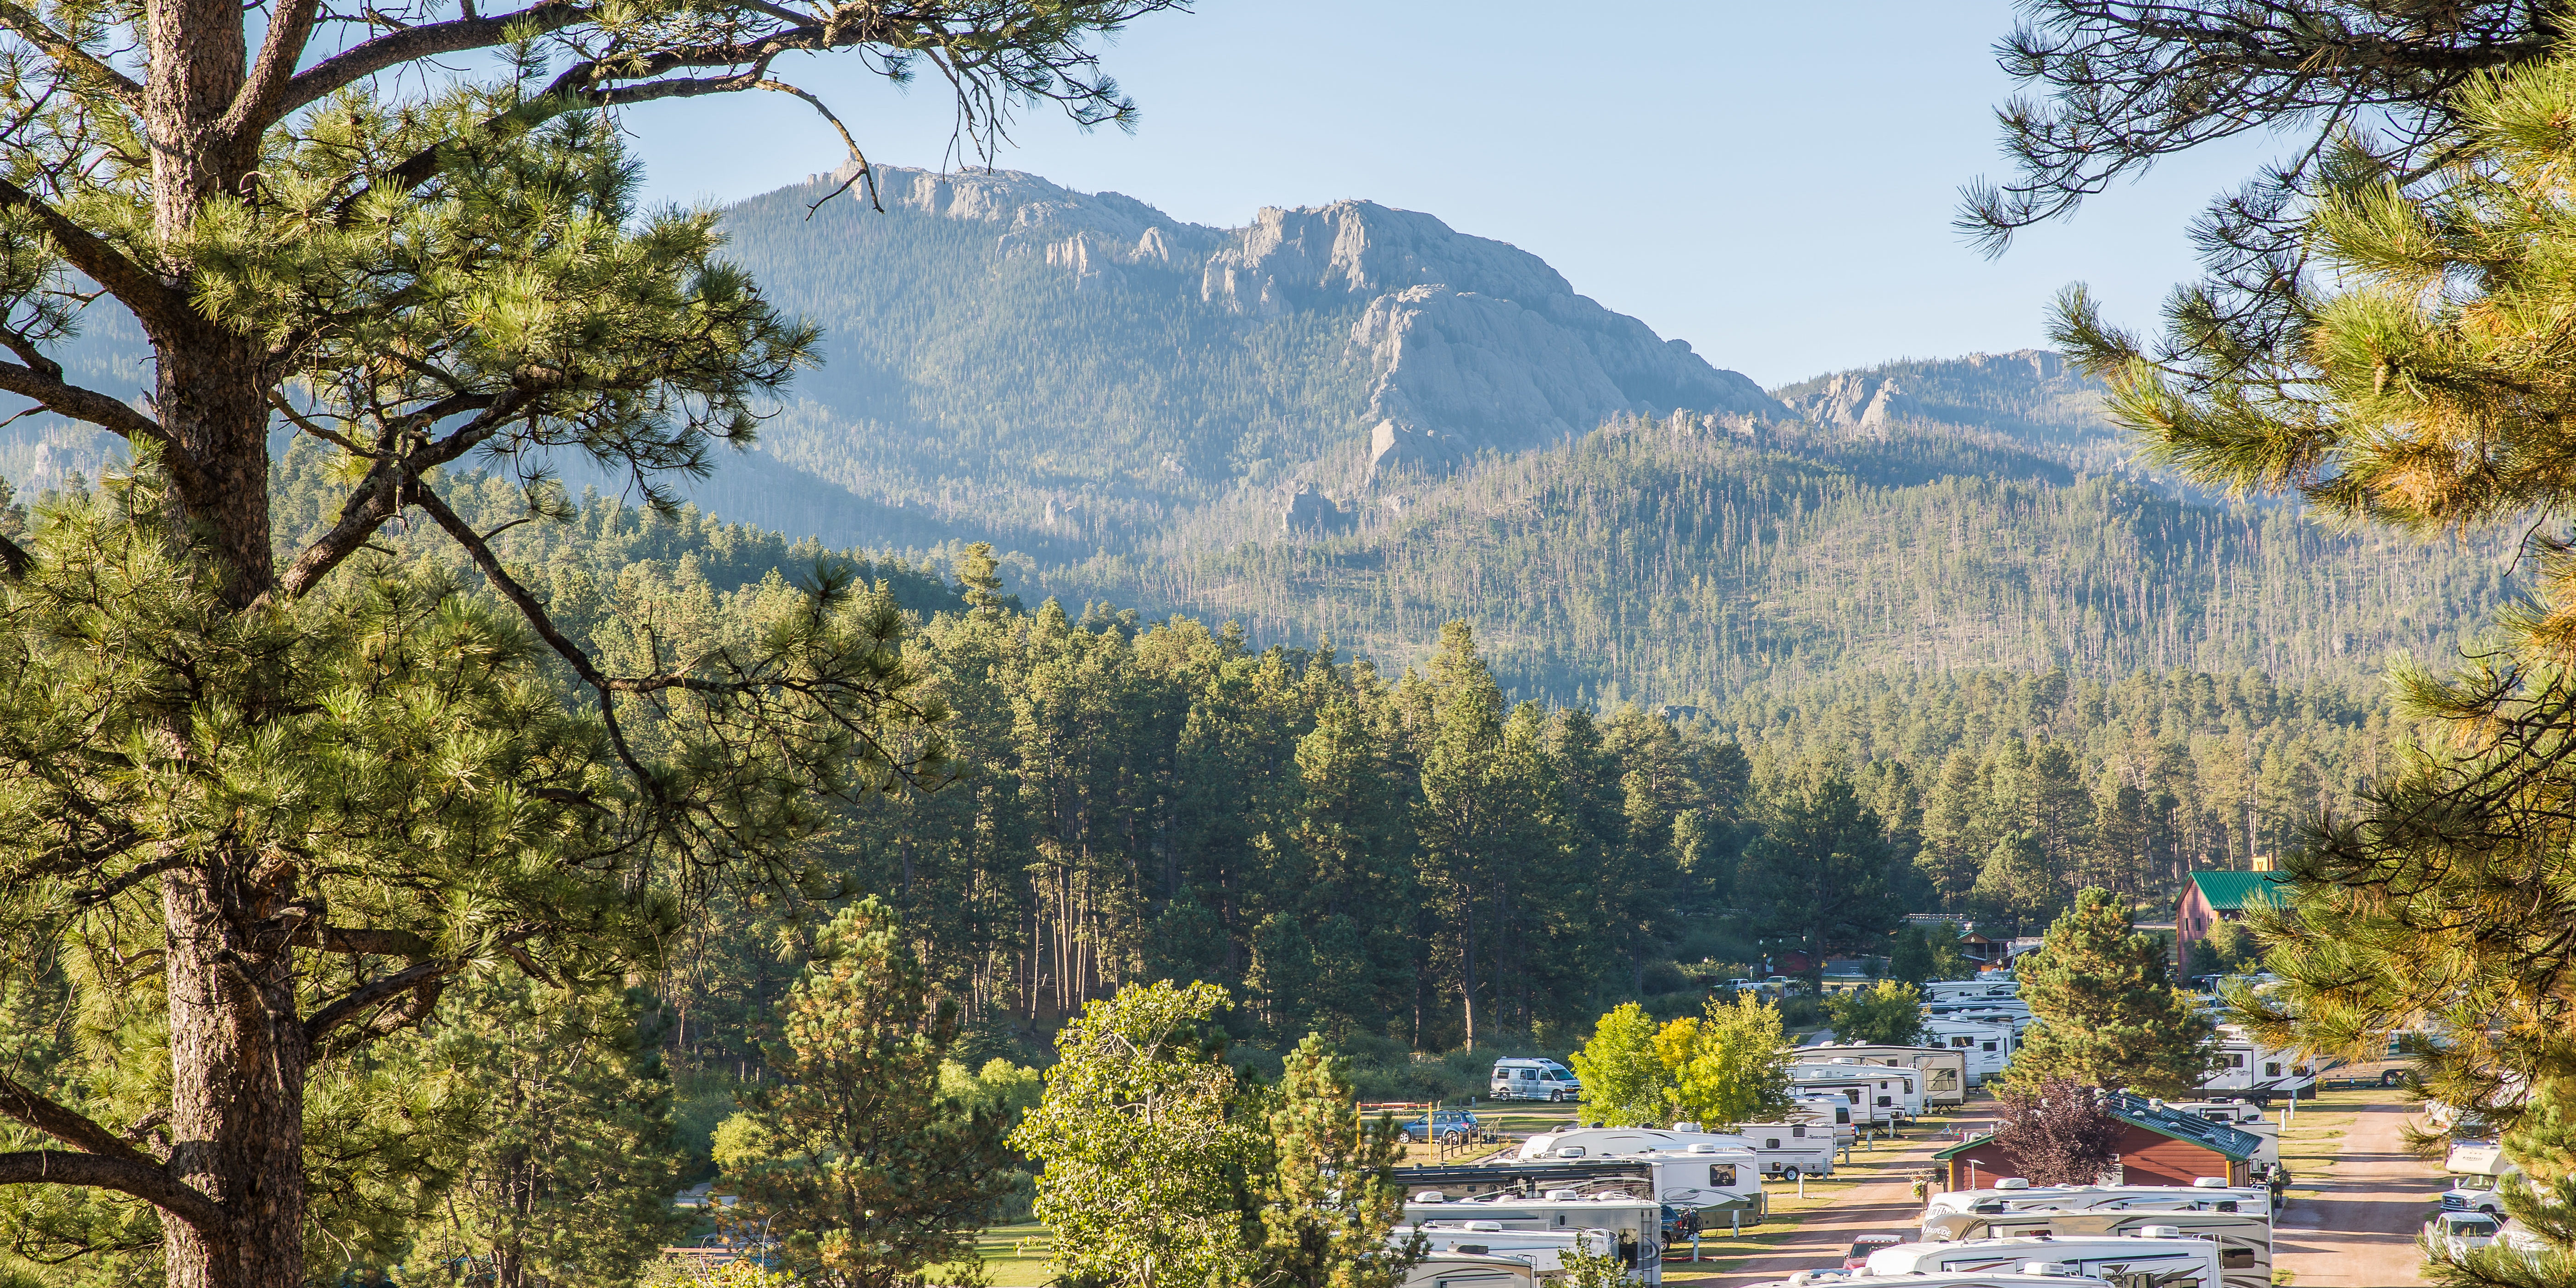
(316, 197)
(1821, 869)
(858, 1159)
(1329, 1198)
(2106, 1011)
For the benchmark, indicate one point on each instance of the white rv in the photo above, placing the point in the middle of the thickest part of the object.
(1472, 1247)
(1944, 1069)
(1897, 1087)
(1986, 1048)
(2000, 989)
(2156, 1257)
(1702, 1176)
(2249, 1071)
(1636, 1225)
(2238, 1220)
(1824, 1111)
(2038, 1274)
(2247, 1118)
(1792, 1149)
(1619, 1142)
(2477, 1169)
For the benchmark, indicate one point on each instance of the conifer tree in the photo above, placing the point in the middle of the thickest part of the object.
(858, 1160)
(324, 231)
(1821, 868)
(2107, 1012)
(1329, 1198)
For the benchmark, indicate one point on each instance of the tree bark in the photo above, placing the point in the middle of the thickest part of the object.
(237, 1064)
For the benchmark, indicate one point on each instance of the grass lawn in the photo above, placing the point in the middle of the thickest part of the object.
(1014, 1255)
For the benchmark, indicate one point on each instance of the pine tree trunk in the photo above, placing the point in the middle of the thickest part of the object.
(237, 1062)
(1467, 966)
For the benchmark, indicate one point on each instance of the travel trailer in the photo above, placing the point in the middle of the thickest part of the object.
(2238, 1220)
(2038, 1274)
(2244, 1117)
(1704, 1178)
(1898, 1087)
(2249, 1071)
(2477, 1168)
(1944, 1068)
(1636, 1225)
(1792, 1149)
(1520, 1079)
(1824, 1110)
(2002, 988)
(1615, 1142)
(1986, 1048)
(2159, 1256)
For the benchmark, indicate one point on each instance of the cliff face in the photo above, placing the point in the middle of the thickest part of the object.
(1459, 344)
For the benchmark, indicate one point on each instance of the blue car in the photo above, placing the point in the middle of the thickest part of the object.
(1455, 1125)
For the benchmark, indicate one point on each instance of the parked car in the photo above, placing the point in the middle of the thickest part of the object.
(1456, 1126)
(2461, 1231)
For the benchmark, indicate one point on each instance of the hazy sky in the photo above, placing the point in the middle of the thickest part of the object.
(1772, 182)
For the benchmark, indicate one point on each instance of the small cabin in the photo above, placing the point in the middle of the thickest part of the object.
(2160, 1145)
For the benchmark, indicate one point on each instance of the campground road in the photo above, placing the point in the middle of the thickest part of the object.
(2358, 1231)
(1882, 1203)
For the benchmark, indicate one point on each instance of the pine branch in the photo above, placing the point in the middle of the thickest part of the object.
(66, 1124)
(88, 405)
(144, 1180)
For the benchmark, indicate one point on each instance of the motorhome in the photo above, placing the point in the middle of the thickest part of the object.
(1530, 1079)
(1539, 1254)
(2477, 1169)
(2239, 1220)
(1986, 1048)
(2247, 1070)
(2159, 1256)
(1897, 1087)
(1635, 1224)
(1944, 1068)
(1471, 1270)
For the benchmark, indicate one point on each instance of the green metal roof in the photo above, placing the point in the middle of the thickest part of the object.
(2230, 890)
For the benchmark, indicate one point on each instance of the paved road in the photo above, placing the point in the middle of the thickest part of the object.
(2359, 1230)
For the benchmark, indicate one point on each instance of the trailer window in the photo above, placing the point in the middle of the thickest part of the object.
(2236, 1259)
(1721, 1176)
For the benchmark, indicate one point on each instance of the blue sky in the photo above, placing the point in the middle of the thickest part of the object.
(1772, 182)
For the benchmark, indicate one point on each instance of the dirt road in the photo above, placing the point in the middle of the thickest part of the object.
(2358, 1231)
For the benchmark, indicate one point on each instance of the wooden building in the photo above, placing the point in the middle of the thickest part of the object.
(2212, 897)
(2161, 1146)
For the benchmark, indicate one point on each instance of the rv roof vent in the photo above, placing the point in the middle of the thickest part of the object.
(1685, 1126)
(1431, 1196)
(2162, 1232)
(2209, 1182)
(1703, 1147)
(1562, 1196)
(1472, 1249)
(1842, 1059)
(1486, 1227)
(1571, 1151)
(2012, 1183)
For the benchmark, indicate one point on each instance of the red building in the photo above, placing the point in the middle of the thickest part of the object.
(2160, 1147)
(2212, 897)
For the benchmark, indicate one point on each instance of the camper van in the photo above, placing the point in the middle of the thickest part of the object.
(2247, 1070)
(1518, 1079)
(2238, 1220)
(2159, 1256)
(1986, 1048)
(2477, 1168)
(1897, 1087)
(1944, 1069)
(1636, 1225)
